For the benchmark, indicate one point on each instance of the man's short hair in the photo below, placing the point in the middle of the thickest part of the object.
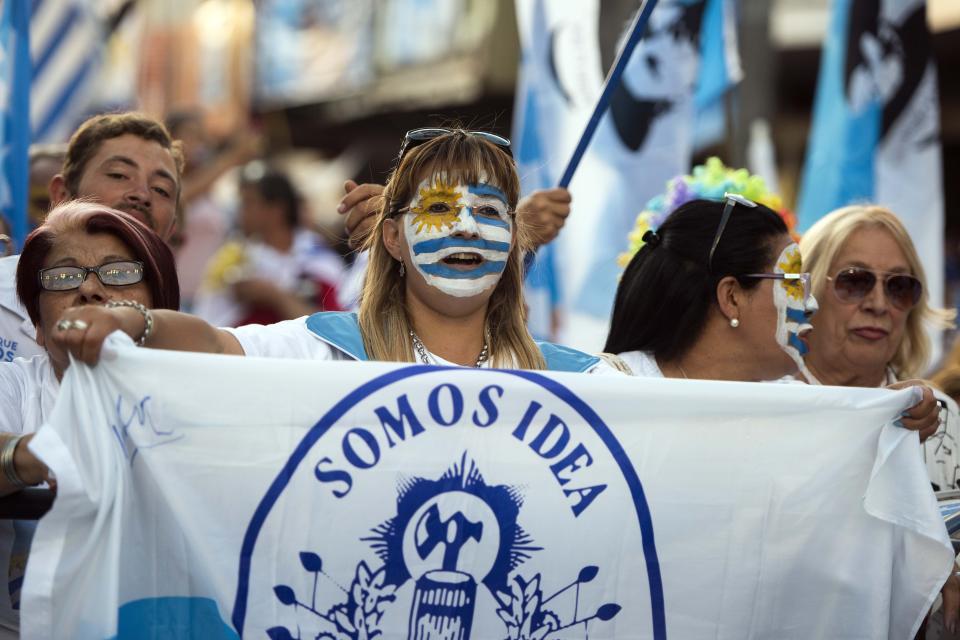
(86, 141)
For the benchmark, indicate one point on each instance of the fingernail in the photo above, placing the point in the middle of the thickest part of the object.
(341, 208)
(899, 423)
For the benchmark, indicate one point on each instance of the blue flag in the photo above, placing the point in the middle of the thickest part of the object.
(14, 115)
(876, 124)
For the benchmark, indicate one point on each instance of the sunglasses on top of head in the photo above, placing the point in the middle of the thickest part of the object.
(415, 137)
(853, 284)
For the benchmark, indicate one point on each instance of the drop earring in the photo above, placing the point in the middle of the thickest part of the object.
(734, 322)
(403, 270)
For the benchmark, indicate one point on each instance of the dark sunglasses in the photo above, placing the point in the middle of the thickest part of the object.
(416, 137)
(855, 283)
(732, 199)
(111, 274)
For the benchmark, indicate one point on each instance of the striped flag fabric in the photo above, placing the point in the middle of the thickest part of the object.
(66, 40)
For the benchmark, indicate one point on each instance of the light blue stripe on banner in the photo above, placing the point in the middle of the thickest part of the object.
(67, 22)
(173, 618)
(451, 242)
(486, 190)
(53, 115)
(37, 4)
(443, 271)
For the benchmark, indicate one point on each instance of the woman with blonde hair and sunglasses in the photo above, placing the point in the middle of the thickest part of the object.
(870, 328)
(444, 284)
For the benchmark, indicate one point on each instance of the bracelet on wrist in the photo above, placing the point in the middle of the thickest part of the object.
(7, 464)
(146, 313)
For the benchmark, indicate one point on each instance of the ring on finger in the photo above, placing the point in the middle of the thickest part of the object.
(64, 324)
(80, 325)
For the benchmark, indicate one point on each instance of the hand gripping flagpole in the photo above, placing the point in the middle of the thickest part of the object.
(612, 82)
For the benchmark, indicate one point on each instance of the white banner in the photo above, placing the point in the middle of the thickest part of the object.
(217, 497)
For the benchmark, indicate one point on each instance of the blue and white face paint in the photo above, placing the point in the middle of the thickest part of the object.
(459, 235)
(794, 304)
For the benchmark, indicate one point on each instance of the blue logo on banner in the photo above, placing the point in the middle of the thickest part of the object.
(451, 551)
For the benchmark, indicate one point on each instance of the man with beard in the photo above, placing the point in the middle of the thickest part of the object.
(127, 161)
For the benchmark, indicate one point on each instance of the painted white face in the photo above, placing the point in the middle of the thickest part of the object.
(793, 306)
(459, 235)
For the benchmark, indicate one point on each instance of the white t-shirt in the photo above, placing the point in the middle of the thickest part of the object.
(292, 339)
(642, 364)
(17, 335)
(28, 390)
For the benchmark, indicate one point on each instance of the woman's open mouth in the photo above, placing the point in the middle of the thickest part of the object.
(463, 261)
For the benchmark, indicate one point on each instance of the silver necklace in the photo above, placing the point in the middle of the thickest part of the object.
(425, 357)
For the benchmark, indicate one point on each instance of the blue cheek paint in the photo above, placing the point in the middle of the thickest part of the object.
(797, 315)
(493, 222)
(794, 341)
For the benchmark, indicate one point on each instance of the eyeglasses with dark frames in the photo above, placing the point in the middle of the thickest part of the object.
(416, 137)
(112, 274)
(732, 199)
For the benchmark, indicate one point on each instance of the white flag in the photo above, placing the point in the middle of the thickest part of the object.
(685, 61)
(225, 497)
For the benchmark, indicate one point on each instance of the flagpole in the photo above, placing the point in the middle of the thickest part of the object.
(611, 83)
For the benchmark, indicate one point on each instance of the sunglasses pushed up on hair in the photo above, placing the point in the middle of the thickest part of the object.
(415, 137)
(853, 284)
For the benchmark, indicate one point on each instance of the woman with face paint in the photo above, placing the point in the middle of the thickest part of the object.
(444, 283)
(715, 293)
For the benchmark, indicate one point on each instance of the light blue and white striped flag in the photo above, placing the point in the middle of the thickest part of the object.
(66, 42)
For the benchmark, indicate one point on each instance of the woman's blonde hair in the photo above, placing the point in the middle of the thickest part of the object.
(384, 324)
(825, 239)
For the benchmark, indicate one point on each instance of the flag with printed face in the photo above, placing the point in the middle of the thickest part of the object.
(224, 497)
(644, 139)
(876, 129)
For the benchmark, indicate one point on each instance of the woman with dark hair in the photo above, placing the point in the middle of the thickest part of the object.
(715, 293)
(444, 283)
(84, 254)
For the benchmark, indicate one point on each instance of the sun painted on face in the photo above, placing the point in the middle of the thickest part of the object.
(791, 263)
(439, 206)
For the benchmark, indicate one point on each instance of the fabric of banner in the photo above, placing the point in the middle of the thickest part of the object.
(225, 497)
